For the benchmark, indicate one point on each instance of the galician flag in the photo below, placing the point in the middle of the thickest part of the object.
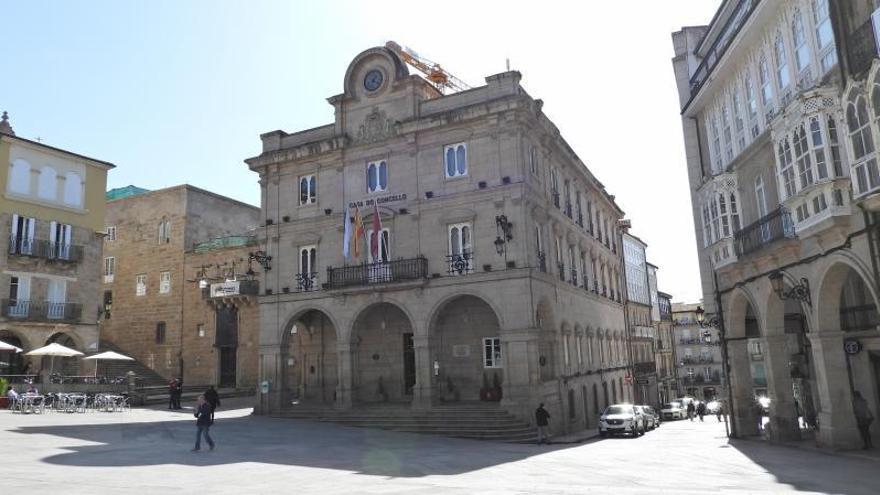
(377, 233)
(358, 231)
(346, 237)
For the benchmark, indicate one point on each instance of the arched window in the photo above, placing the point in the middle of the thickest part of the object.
(864, 160)
(766, 87)
(781, 62)
(834, 144)
(20, 177)
(801, 50)
(726, 134)
(73, 187)
(824, 34)
(164, 231)
(752, 103)
(738, 123)
(47, 184)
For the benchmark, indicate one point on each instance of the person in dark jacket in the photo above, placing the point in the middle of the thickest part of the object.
(203, 424)
(701, 410)
(178, 392)
(213, 399)
(864, 418)
(690, 410)
(172, 393)
(542, 420)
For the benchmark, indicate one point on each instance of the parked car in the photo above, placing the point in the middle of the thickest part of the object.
(652, 418)
(622, 419)
(673, 410)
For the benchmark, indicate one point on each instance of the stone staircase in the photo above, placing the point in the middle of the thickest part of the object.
(146, 376)
(478, 421)
(159, 394)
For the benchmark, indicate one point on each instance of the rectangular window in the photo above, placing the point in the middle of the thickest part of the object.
(307, 190)
(22, 235)
(554, 186)
(140, 284)
(60, 235)
(19, 293)
(377, 176)
(109, 269)
(308, 270)
(108, 303)
(164, 282)
(455, 156)
(752, 101)
(460, 243)
(533, 160)
(200, 330)
(782, 75)
(57, 294)
(164, 236)
(160, 332)
(825, 34)
(766, 86)
(111, 233)
(492, 352)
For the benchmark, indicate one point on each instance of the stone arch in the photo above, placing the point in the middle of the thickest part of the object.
(20, 176)
(464, 334)
(348, 333)
(284, 331)
(383, 355)
(838, 281)
(741, 307)
(443, 302)
(309, 357)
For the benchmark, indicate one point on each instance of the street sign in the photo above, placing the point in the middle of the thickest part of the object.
(852, 347)
(264, 387)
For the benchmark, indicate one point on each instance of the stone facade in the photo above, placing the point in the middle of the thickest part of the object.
(147, 290)
(779, 114)
(499, 275)
(51, 214)
(700, 367)
(665, 355)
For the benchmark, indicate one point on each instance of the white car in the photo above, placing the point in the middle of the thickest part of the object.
(673, 410)
(623, 419)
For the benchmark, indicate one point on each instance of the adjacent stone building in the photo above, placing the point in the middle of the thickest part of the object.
(639, 309)
(664, 350)
(780, 104)
(52, 215)
(698, 350)
(163, 252)
(488, 268)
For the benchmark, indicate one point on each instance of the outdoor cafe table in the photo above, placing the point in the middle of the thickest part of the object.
(28, 402)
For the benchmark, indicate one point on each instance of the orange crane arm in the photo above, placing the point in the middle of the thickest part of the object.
(433, 72)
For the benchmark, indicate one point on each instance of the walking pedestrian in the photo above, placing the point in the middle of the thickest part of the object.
(690, 410)
(720, 411)
(178, 392)
(172, 391)
(213, 399)
(542, 420)
(701, 410)
(864, 418)
(203, 424)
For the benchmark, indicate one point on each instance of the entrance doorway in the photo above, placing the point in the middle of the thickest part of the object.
(409, 364)
(227, 366)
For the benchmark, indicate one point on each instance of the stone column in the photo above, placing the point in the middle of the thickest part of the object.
(783, 414)
(742, 409)
(423, 391)
(345, 367)
(837, 423)
(270, 369)
(521, 368)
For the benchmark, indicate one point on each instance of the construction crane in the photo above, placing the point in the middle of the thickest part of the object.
(435, 74)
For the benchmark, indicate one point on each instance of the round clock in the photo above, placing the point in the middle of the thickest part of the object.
(373, 80)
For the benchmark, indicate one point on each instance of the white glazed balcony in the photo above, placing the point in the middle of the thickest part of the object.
(722, 253)
(810, 200)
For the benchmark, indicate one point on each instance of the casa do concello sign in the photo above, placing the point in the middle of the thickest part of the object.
(391, 198)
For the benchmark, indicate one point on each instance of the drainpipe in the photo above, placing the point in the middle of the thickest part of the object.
(730, 425)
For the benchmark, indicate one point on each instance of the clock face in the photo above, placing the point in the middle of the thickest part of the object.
(373, 80)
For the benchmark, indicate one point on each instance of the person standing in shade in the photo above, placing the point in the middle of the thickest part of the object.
(213, 399)
(542, 420)
(864, 418)
(203, 424)
(172, 393)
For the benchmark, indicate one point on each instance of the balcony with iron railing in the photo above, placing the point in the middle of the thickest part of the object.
(698, 359)
(40, 248)
(645, 368)
(775, 226)
(387, 272)
(459, 264)
(306, 282)
(40, 310)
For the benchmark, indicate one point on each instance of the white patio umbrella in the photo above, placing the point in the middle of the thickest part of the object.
(4, 347)
(54, 349)
(108, 356)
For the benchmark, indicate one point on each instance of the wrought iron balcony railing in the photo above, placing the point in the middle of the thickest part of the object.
(644, 368)
(40, 248)
(460, 264)
(307, 282)
(40, 310)
(382, 272)
(698, 360)
(768, 229)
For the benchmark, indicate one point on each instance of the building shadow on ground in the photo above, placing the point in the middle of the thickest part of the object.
(812, 471)
(280, 441)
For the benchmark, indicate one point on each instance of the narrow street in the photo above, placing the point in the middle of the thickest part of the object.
(147, 451)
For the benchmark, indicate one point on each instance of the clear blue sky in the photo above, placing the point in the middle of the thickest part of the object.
(179, 91)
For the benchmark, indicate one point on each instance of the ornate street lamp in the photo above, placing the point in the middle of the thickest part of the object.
(800, 292)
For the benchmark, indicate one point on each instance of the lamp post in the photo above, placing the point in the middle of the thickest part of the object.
(717, 322)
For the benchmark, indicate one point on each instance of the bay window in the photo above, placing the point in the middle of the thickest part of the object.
(864, 158)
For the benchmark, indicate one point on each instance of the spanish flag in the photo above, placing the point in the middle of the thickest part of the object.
(358, 231)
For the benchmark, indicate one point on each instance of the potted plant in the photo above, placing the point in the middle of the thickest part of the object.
(4, 401)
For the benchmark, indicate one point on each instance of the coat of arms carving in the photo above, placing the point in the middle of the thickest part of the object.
(376, 127)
